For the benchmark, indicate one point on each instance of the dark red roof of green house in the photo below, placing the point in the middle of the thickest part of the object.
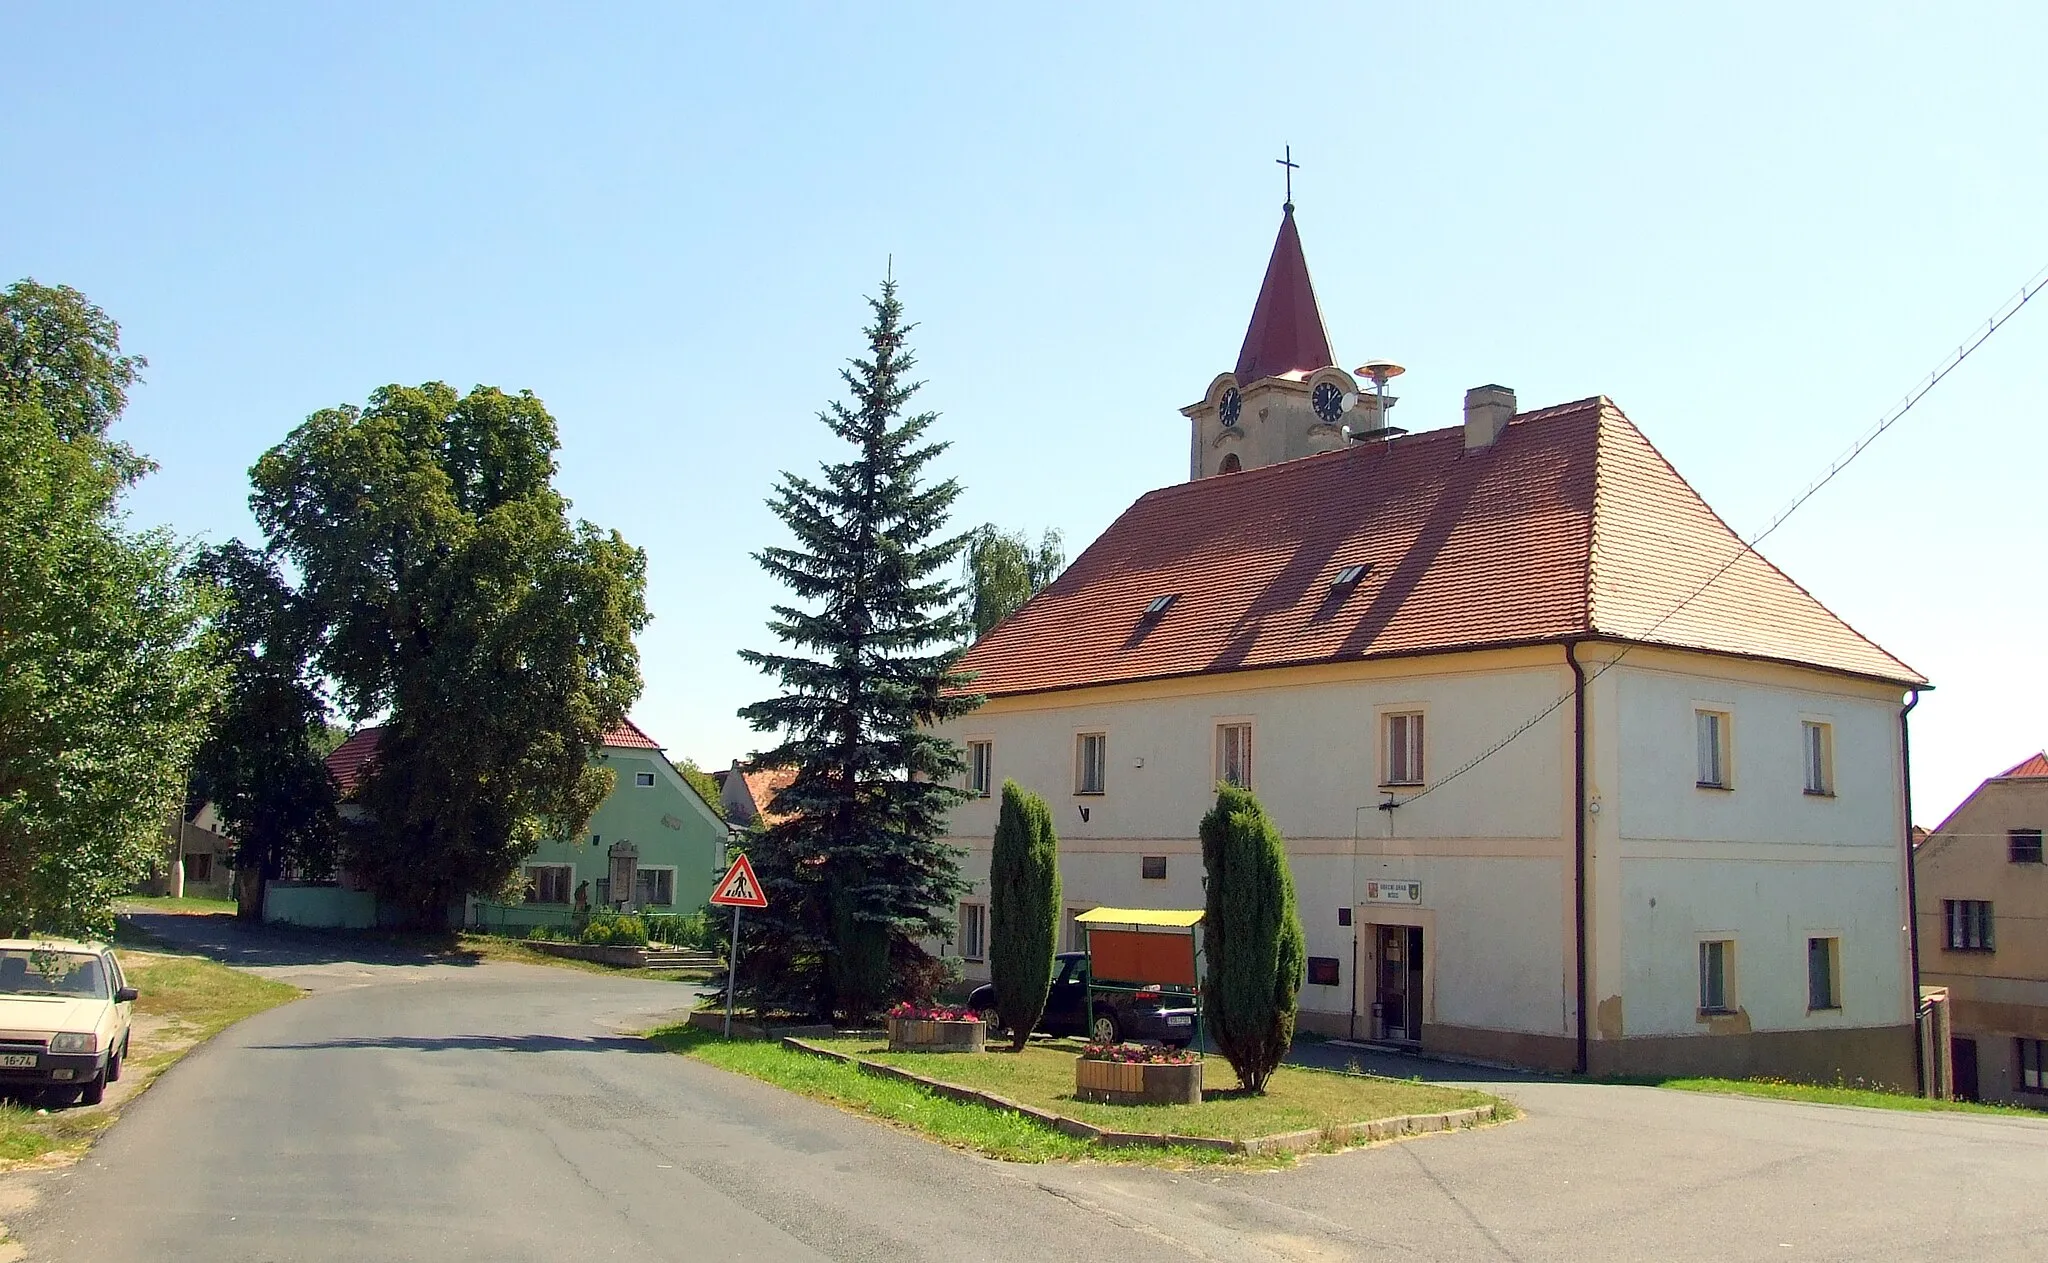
(348, 762)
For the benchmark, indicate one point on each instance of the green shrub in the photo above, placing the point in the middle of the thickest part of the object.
(548, 934)
(677, 929)
(1024, 909)
(1252, 937)
(611, 929)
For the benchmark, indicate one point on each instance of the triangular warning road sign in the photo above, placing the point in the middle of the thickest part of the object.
(738, 888)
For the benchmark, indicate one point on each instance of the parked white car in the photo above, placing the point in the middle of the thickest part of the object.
(65, 1012)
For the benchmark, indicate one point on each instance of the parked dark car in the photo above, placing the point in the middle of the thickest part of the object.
(1154, 1014)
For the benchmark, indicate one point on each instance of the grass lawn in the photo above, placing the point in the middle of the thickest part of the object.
(1837, 1094)
(1044, 1076)
(498, 947)
(1296, 1099)
(164, 903)
(185, 1001)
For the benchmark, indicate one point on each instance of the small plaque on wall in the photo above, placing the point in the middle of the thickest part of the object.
(1323, 971)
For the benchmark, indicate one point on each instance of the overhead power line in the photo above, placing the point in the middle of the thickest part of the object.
(1964, 349)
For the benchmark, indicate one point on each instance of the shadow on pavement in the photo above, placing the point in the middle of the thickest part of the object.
(223, 938)
(477, 1043)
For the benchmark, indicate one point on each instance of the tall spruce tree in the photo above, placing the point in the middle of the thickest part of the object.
(855, 870)
(1252, 937)
(1024, 909)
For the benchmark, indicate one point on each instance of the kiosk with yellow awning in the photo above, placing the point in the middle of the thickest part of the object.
(1141, 950)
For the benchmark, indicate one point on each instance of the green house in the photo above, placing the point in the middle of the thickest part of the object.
(654, 845)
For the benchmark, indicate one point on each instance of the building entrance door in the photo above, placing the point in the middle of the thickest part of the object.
(1962, 1060)
(1397, 997)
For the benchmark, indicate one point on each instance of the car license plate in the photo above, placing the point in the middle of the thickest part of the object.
(1177, 1019)
(17, 1061)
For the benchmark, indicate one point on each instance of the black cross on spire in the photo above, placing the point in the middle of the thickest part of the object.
(1289, 163)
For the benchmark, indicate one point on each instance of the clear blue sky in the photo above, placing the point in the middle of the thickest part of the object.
(1753, 225)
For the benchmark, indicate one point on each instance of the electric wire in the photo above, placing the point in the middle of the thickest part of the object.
(2034, 285)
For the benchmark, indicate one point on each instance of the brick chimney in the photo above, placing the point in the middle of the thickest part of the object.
(1488, 409)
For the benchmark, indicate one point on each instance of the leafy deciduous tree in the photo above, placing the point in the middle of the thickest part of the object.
(704, 783)
(453, 591)
(1252, 937)
(1004, 570)
(856, 870)
(1024, 909)
(107, 673)
(262, 765)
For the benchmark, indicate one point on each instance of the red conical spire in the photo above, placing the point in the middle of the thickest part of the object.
(1286, 333)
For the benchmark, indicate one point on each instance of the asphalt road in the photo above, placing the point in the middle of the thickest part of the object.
(410, 1110)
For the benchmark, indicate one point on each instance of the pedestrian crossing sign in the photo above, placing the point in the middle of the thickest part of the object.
(738, 888)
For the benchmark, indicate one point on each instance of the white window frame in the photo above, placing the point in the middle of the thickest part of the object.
(670, 869)
(1727, 1001)
(981, 762)
(1073, 935)
(1234, 752)
(531, 872)
(1969, 925)
(644, 780)
(1085, 785)
(976, 952)
(1833, 939)
(1817, 757)
(1411, 767)
(1713, 746)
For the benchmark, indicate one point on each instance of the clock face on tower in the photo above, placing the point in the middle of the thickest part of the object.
(1232, 405)
(1329, 403)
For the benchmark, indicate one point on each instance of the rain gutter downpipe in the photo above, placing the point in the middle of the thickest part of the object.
(1571, 656)
(1912, 899)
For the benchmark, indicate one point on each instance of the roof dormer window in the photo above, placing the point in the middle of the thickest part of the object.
(1160, 604)
(1348, 577)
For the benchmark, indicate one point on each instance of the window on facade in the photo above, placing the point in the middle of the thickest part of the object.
(1969, 924)
(2023, 845)
(547, 883)
(2030, 1059)
(1152, 867)
(1234, 754)
(1091, 763)
(1711, 727)
(1823, 973)
(973, 930)
(654, 886)
(199, 865)
(980, 761)
(1404, 749)
(1818, 742)
(1716, 958)
(645, 780)
(1076, 937)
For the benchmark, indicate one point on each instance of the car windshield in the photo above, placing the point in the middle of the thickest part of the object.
(27, 971)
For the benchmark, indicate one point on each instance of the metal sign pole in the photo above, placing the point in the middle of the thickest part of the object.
(732, 968)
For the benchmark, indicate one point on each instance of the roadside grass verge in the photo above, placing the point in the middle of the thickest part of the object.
(185, 1001)
(498, 947)
(1296, 1098)
(187, 904)
(1000, 1134)
(1836, 1094)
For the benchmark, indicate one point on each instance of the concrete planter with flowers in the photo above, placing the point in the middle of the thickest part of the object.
(915, 1029)
(1133, 1074)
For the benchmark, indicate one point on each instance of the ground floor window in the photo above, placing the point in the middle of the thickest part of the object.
(547, 883)
(199, 866)
(2032, 1057)
(1076, 937)
(654, 886)
(1823, 973)
(1717, 957)
(973, 931)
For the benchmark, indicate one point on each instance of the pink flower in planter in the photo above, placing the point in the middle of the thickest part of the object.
(1137, 1054)
(914, 1013)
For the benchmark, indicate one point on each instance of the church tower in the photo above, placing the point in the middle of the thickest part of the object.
(1286, 398)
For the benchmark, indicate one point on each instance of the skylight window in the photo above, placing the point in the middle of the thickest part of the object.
(1160, 603)
(1348, 577)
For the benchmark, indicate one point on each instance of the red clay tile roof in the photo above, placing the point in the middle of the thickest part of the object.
(1286, 334)
(2026, 770)
(763, 785)
(347, 762)
(1571, 525)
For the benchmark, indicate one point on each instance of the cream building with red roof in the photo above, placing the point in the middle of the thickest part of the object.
(1569, 776)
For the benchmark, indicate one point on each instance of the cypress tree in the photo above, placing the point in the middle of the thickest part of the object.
(858, 867)
(1252, 937)
(1024, 909)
